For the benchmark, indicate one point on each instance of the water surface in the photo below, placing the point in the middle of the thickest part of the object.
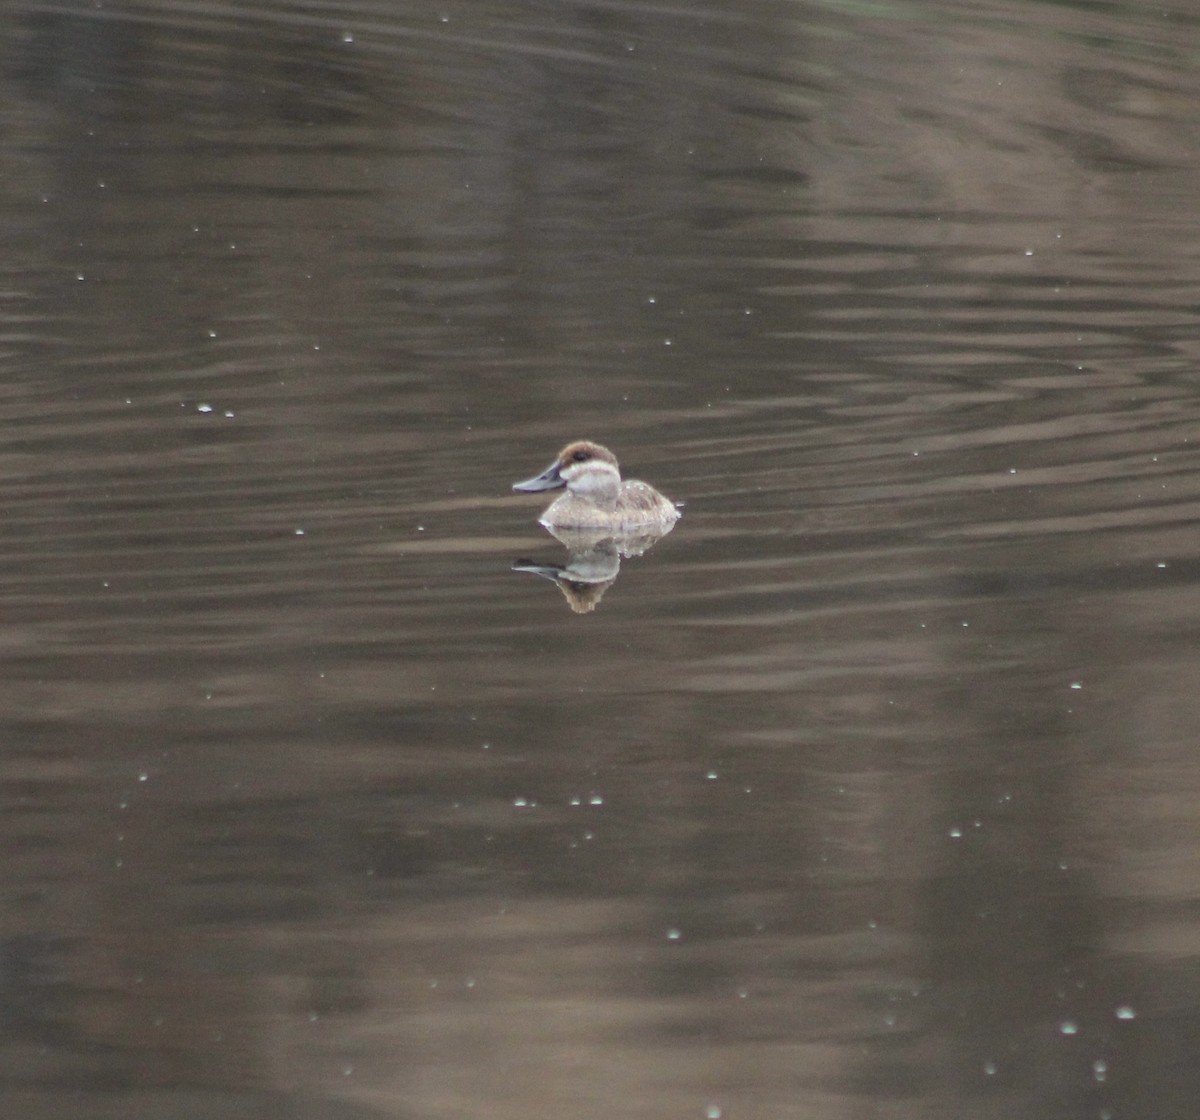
(870, 789)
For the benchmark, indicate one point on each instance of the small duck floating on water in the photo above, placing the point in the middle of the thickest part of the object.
(597, 498)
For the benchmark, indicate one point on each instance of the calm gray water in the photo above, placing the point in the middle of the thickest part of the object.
(872, 790)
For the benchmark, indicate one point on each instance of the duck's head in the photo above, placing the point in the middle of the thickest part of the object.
(584, 468)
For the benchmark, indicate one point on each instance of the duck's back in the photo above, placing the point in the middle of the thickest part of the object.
(643, 502)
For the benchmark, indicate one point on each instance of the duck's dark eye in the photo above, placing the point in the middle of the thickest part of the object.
(581, 456)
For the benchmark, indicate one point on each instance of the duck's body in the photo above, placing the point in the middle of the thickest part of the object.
(597, 497)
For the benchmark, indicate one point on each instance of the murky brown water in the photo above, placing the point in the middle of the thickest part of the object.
(871, 790)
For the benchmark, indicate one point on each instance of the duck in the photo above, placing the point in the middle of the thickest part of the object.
(597, 498)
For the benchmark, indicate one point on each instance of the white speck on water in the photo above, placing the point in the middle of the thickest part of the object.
(955, 833)
(674, 934)
(595, 799)
(1068, 1026)
(576, 801)
(1100, 1069)
(1160, 564)
(520, 803)
(1125, 1012)
(299, 532)
(989, 1068)
(347, 37)
(204, 408)
(143, 777)
(229, 414)
(1077, 685)
(713, 1112)
(712, 775)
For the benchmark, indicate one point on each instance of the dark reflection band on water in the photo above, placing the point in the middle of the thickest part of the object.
(871, 787)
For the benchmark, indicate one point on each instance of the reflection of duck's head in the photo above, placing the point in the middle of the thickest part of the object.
(597, 497)
(585, 578)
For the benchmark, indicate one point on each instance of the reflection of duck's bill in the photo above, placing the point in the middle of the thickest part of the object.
(546, 571)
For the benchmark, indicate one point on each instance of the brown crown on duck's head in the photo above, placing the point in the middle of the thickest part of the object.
(583, 450)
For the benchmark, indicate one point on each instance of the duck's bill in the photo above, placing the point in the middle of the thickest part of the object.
(549, 479)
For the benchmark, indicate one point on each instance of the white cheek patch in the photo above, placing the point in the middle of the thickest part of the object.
(593, 478)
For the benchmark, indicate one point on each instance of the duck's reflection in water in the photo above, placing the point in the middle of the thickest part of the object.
(593, 562)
